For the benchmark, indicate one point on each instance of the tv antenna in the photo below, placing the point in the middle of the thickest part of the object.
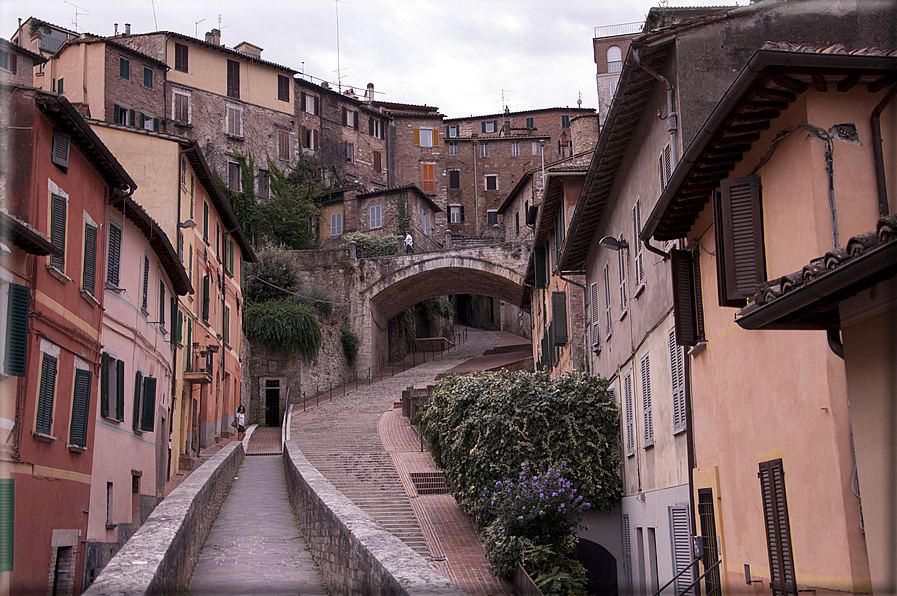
(196, 28)
(155, 22)
(504, 100)
(339, 74)
(78, 11)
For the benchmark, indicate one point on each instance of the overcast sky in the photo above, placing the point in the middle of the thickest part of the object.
(462, 56)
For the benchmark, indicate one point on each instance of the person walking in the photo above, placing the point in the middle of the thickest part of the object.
(241, 422)
(409, 243)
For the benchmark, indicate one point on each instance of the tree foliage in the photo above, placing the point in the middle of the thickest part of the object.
(284, 325)
(436, 307)
(403, 215)
(371, 245)
(274, 276)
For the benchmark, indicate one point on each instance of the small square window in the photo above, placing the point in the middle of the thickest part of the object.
(565, 121)
(489, 126)
(491, 181)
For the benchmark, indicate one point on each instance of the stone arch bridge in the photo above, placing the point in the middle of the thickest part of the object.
(378, 289)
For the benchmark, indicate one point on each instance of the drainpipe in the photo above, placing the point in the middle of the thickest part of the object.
(672, 127)
(883, 209)
(560, 275)
(476, 198)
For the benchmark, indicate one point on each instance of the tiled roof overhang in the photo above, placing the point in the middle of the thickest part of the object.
(769, 83)
(633, 92)
(26, 237)
(399, 189)
(158, 241)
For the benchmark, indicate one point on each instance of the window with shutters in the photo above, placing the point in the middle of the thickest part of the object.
(559, 317)
(454, 179)
(8, 61)
(565, 121)
(234, 178)
(647, 410)
(144, 303)
(630, 414)
(147, 77)
(46, 393)
(60, 149)
(740, 240)
(608, 321)
(490, 125)
(60, 86)
(206, 298)
(541, 269)
(7, 523)
(595, 323)
(181, 57)
(680, 537)
(711, 553)
(350, 118)
(80, 408)
(428, 175)
(57, 229)
(225, 325)
(627, 555)
(484, 149)
(452, 131)
(687, 302)
(309, 103)
(378, 161)
(778, 532)
(336, 224)
(530, 123)
(456, 213)
(180, 110)
(665, 166)
(426, 137)
(144, 412)
(491, 181)
(677, 372)
(624, 299)
(375, 214)
(638, 259)
(234, 120)
(112, 388)
(89, 271)
(124, 69)
(311, 138)
(233, 79)
(283, 145)
(162, 303)
(264, 184)
(283, 88)
(15, 346)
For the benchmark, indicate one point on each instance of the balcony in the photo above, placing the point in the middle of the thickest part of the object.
(203, 365)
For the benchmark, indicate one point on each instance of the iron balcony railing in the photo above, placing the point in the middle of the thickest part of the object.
(621, 29)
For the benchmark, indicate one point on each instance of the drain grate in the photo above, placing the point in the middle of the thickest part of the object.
(429, 483)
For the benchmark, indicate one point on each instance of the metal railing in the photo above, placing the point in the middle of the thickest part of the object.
(692, 584)
(620, 29)
(378, 373)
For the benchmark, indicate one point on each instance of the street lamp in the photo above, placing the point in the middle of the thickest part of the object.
(613, 243)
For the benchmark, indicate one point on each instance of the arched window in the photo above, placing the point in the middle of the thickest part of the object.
(614, 59)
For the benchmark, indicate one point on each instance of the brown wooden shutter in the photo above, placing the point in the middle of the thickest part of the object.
(317, 106)
(417, 137)
(345, 119)
(304, 136)
(683, 298)
(742, 236)
(778, 533)
(12, 63)
(436, 137)
(559, 317)
(371, 125)
(302, 101)
(377, 161)
(355, 120)
(233, 79)
(315, 137)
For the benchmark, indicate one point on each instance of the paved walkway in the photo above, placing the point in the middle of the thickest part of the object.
(361, 444)
(254, 546)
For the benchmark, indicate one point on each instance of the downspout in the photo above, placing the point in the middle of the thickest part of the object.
(672, 127)
(476, 198)
(584, 296)
(883, 209)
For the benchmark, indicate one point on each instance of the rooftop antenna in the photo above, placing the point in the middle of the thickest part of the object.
(339, 75)
(196, 28)
(579, 101)
(78, 11)
(155, 22)
(504, 100)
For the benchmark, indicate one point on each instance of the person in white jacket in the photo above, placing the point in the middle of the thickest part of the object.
(409, 243)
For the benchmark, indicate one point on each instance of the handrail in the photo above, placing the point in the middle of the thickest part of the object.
(711, 568)
(675, 577)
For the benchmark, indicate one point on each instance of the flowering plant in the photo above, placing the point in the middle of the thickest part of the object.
(543, 508)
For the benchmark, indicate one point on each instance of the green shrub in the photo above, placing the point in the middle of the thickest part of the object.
(274, 276)
(318, 298)
(370, 245)
(284, 325)
(436, 307)
(350, 344)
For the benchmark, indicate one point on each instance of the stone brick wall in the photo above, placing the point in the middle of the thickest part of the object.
(160, 557)
(355, 554)
(131, 93)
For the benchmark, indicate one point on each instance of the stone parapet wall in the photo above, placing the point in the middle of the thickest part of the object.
(355, 554)
(160, 557)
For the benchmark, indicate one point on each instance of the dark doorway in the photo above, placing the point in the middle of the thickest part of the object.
(601, 567)
(272, 403)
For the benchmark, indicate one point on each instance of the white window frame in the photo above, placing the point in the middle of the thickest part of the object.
(375, 217)
(515, 149)
(492, 215)
(350, 153)
(455, 214)
(537, 148)
(490, 126)
(486, 178)
(233, 120)
(453, 131)
(351, 118)
(336, 224)
(426, 137)
(484, 149)
(309, 106)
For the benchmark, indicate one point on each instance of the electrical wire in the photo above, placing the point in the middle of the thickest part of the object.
(311, 298)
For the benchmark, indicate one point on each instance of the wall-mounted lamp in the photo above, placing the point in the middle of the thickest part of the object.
(187, 224)
(613, 243)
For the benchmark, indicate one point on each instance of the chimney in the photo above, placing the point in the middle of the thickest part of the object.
(249, 49)
(214, 37)
(127, 28)
(369, 94)
(116, 29)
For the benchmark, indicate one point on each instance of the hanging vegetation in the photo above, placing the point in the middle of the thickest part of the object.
(284, 325)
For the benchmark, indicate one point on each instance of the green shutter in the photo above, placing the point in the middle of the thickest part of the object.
(539, 259)
(80, 408)
(104, 386)
(7, 523)
(205, 297)
(120, 390)
(113, 261)
(132, 117)
(205, 221)
(124, 68)
(149, 405)
(17, 330)
(45, 396)
(189, 344)
(88, 278)
(559, 317)
(135, 419)
(57, 229)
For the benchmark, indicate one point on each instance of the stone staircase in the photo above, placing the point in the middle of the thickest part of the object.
(368, 477)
